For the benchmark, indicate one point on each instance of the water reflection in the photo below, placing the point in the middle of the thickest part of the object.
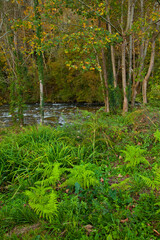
(53, 113)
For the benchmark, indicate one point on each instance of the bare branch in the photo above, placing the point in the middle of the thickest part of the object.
(4, 34)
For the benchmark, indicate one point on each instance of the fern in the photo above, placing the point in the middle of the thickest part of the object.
(42, 198)
(134, 156)
(83, 175)
(157, 135)
(148, 182)
(42, 201)
(124, 185)
(155, 182)
(51, 174)
(158, 204)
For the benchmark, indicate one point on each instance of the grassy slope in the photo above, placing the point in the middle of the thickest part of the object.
(122, 155)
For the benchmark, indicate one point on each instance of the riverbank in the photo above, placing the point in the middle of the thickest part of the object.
(97, 178)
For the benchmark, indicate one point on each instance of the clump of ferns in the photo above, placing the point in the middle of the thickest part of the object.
(134, 157)
(82, 174)
(143, 181)
(42, 197)
(153, 183)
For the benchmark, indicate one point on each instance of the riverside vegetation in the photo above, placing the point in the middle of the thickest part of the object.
(97, 177)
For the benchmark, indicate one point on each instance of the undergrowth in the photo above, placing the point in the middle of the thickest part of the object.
(97, 177)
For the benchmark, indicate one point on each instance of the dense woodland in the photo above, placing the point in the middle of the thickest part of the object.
(79, 51)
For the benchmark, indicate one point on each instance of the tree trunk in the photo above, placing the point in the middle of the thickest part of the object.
(134, 82)
(105, 81)
(112, 48)
(101, 78)
(131, 7)
(125, 100)
(145, 81)
(39, 58)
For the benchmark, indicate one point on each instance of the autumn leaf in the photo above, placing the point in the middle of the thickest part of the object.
(124, 220)
(102, 180)
(88, 228)
(156, 232)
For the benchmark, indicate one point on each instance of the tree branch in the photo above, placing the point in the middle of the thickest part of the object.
(100, 16)
(4, 34)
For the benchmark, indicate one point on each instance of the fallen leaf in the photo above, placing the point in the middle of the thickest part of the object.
(156, 232)
(67, 190)
(120, 175)
(124, 220)
(88, 228)
(102, 180)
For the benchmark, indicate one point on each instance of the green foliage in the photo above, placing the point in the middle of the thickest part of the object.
(153, 183)
(83, 175)
(43, 200)
(124, 185)
(73, 198)
(157, 135)
(154, 95)
(134, 156)
(15, 211)
(51, 174)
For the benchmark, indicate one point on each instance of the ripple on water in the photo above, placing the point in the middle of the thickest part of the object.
(53, 113)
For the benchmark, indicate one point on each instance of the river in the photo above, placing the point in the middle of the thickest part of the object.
(53, 113)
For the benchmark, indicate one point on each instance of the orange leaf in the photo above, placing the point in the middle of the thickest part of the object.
(156, 232)
(102, 180)
(124, 220)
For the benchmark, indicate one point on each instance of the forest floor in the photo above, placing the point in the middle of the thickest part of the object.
(97, 177)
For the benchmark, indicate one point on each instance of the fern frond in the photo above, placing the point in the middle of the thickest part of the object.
(124, 185)
(134, 156)
(42, 201)
(85, 177)
(158, 211)
(51, 174)
(148, 182)
(157, 135)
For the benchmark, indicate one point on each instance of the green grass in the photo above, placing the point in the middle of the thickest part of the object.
(103, 185)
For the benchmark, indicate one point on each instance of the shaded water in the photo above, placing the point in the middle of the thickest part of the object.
(53, 113)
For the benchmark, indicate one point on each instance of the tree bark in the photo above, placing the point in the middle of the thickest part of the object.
(39, 59)
(145, 81)
(105, 81)
(101, 77)
(112, 48)
(125, 100)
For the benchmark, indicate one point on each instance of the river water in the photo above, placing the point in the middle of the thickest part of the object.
(54, 113)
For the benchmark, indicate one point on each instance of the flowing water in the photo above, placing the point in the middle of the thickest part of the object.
(53, 113)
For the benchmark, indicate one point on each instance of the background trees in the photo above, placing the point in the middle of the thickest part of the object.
(84, 51)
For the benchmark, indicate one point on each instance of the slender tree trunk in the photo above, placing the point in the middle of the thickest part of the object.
(125, 100)
(39, 58)
(134, 78)
(101, 78)
(105, 81)
(124, 81)
(112, 48)
(145, 81)
(141, 62)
